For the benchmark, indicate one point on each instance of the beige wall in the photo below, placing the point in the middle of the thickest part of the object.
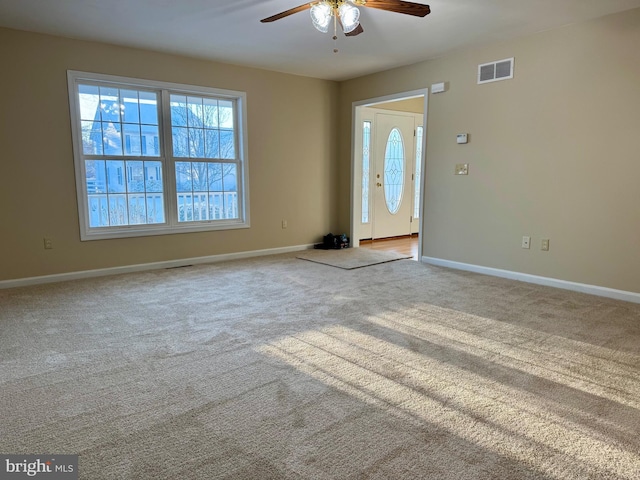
(293, 171)
(553, 153)
(413, 105)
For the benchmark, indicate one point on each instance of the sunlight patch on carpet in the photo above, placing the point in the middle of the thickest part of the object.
(485, 408)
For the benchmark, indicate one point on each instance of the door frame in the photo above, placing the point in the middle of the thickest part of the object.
(356, 188)
(377, 153)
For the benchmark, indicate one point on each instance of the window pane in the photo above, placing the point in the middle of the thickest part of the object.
(132, 145)
(227, 147)
(214, 194)
(230, 183)
(98, 211)
(137, 209)
(120, 111)
(210, 113)
(118, 209)
(416, 200)
(215, 177)
(91, 138)
(153, 176)
(216, 205)
(148, 108)
(199, 176)
(155, 208)
(200, 207)
(231, 205)
(111, 138)
(180, 140)
(212, 144)
(394, 162)
(115, 176)
(194, 112)
(196, 143)
(89, 99)
(109, 104)
(226, 114)
(96, 176)
(150, 143)
(183, 177)
(229, 179)
(130, 106)
(185, 207)
(366, 144)
(135, 177)
(178, 110)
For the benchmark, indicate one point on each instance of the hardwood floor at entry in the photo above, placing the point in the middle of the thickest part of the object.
(405, 245)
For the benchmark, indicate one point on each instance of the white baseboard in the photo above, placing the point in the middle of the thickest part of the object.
(550, 282)
(101, 272)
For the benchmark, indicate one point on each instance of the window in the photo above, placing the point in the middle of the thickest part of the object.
(418, 173)
(154, 158)
(366, 149)
(394, 160)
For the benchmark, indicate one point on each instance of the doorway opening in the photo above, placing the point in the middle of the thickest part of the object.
(387, 165)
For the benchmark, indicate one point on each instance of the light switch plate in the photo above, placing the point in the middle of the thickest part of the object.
(462, 138)
(462, 169)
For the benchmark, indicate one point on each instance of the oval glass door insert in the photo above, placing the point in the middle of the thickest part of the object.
(394, 171)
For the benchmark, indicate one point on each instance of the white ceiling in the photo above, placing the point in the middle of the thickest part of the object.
(230, 31)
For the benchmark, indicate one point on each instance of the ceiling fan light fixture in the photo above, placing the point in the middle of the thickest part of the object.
(349, 17)
(321, 16)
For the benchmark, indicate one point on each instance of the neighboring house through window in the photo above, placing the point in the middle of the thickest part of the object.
(154, 158)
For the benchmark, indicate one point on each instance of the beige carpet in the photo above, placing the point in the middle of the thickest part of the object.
(274, 368)
(351, 258)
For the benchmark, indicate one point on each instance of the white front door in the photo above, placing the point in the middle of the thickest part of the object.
(393, 173)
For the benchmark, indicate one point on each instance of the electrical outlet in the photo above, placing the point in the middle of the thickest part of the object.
(284, 224)
(48, 244)
(544, 246)
(526, 242)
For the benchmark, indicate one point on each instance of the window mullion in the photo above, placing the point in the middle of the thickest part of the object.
(169, 165)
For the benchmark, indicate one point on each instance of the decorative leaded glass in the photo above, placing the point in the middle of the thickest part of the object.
(416, 201)
(366, 148)
(394, 160)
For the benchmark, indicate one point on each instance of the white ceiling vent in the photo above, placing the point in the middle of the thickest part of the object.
(494, 71)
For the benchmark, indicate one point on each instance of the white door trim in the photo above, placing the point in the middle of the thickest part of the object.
(355, 189)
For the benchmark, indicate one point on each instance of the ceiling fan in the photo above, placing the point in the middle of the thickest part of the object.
(346, 13)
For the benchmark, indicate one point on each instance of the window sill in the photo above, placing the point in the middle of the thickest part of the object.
(147, 231)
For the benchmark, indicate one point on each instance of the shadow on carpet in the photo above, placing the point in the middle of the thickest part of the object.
(351, 258)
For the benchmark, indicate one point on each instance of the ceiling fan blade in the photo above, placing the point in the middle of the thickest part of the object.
(399, 6)
(286, 13)
(358, 30)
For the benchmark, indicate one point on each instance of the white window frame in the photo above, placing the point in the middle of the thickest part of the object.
(171, 225)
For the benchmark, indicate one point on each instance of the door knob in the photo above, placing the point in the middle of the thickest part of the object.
(378, 184)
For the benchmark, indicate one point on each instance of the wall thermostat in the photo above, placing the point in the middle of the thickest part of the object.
(461, 138)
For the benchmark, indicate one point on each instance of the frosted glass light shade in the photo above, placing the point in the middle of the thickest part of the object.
(321, 17)
(349, 17)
